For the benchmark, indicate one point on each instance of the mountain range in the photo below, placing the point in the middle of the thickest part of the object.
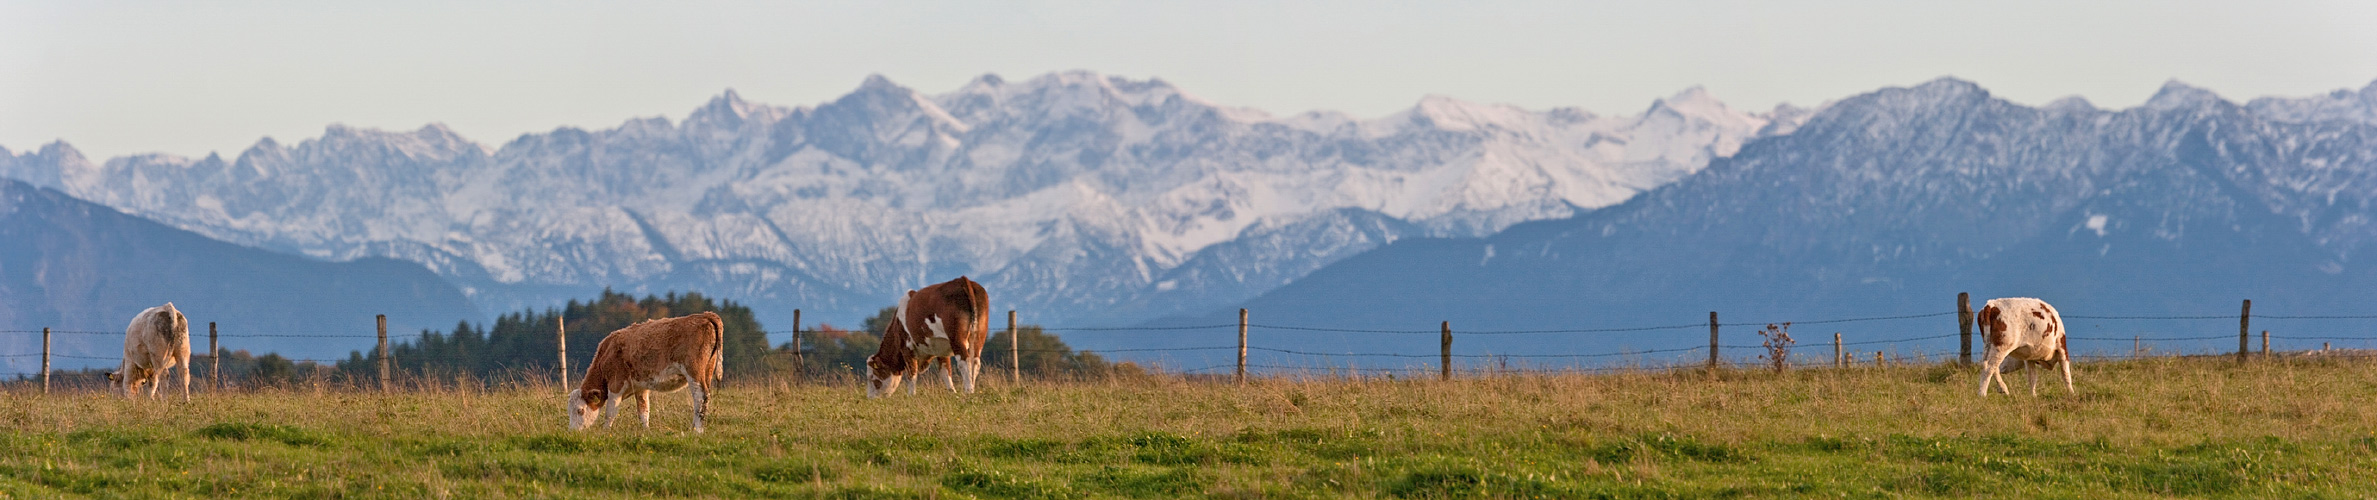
(1081, 198)
(1892, 202)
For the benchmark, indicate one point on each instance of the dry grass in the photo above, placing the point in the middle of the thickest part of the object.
(2136, 429)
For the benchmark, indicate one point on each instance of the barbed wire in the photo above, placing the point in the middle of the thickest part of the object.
(2077, 316)
(1854, 320)
(2211, 337)
(1136, 328)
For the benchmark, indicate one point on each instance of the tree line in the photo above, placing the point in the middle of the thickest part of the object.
(524, 342)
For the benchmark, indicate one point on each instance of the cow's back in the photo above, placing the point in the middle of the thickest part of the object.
(2023, 322)
(157, 337)
(959, 306)
(646, 348)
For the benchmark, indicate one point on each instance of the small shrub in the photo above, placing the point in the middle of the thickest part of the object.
(1778, 345)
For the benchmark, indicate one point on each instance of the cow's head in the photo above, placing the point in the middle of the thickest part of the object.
(115, 379)
(883, 376)
(584, 406)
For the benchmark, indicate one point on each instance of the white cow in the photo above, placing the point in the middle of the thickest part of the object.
(2030, 332)
(158, 339)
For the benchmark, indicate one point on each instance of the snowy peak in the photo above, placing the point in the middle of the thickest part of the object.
(1695, 101)
(725, 112)
(1446, 113)
(2177, 95)
(2071, 104)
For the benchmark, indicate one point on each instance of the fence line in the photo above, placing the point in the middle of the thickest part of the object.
(383, 355)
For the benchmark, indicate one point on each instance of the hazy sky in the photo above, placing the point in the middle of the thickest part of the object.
(187, 78)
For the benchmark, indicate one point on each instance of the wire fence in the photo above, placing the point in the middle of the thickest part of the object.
(1583, 350)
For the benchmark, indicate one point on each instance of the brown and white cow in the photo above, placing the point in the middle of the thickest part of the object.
(949, 319)
(662, 355)
(2028, 331)
(157, 340)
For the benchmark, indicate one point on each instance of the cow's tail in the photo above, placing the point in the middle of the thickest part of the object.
(717, 329)
(172, 326)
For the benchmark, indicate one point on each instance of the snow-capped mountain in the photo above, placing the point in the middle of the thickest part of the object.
(1078, 197)
(1892, 202)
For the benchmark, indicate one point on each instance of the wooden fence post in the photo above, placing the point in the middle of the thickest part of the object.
(1712, 340)
(1445, 354)
(2265, 343)
(1964, 327)
(561, 344)
(1837, 360)
(2244, 328)
(214, 356)
(1016, 351)
(800, 362)
(1878, 360)
(1242, 346)
(45, 360)
(383, 320)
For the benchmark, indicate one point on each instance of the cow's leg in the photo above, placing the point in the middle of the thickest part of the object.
(611, 409)
(701, 404)
(644, 408)
(1990, 363)
(185, 379)
(968, 369)
(2063, 359)
(949, 372)
(2033, 377)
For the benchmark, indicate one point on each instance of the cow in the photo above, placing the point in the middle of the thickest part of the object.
(157, 340)
(945, 320)
(662, 355)
(2028, 331)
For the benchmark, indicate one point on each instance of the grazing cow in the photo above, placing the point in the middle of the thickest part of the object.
(946, 320)
(2031, 333)
(661, 355)
(893, 361)
(157, 340)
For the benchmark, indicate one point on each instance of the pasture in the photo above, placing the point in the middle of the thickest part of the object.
(2292, 427)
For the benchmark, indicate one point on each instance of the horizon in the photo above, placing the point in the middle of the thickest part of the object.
(188, 80)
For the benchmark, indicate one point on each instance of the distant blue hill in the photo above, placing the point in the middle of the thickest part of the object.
(76, 266)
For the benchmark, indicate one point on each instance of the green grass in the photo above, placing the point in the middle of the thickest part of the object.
(2139, 429)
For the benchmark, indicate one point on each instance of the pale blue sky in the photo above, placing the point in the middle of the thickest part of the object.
(187, 78)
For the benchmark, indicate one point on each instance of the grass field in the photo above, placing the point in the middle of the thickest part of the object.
(2137, 429)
